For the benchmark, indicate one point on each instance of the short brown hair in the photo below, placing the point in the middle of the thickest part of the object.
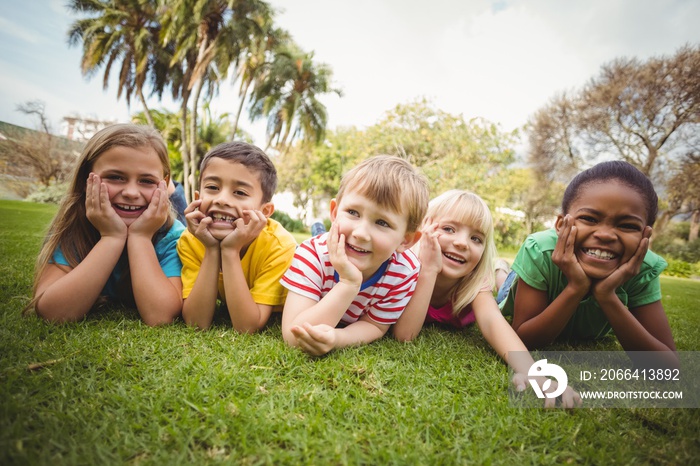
(251, 157)
(393, 183)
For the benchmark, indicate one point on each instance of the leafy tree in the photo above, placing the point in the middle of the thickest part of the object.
(554, 140)
(255, 63)
(117, 32)
(37, 153)
(536, 201)
(642, 112)
(287, 94)
(211, 131)
(208, 36)
(452, 152)
(683, 195)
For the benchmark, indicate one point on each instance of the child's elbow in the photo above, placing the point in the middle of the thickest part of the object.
(157, 321)
(289, 337)
(404, 335)
(248, 329)
(61, 315)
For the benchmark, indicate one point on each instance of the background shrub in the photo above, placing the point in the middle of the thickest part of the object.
(288, 222)
(51, 194)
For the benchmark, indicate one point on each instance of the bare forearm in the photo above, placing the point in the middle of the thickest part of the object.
(200, 305)
(633, 336)
(246, 315)
(545, 327)
(71, 297)
(330, 309)
(412, 319)
(499, 334)
(359, 333)
(157, 300)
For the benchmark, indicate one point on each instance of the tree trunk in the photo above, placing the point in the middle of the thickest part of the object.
(240, 110)
(694, 225)
(146, 110)
(193, 135)
(184, 149)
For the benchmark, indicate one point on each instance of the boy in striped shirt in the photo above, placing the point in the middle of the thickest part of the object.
(346, 287)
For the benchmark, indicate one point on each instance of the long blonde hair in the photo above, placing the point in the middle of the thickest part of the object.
(469, 209)
(70, 229)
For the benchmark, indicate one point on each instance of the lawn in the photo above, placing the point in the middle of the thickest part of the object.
(110, 390)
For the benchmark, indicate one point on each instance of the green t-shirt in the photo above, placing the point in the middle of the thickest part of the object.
(534, 265)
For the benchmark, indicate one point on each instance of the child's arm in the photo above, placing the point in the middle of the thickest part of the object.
(66, 294)
(158, 298)
(318, 340)
(330, 309)
(503, 339)
(200, 305)
(538, 323)
(413, 317)
(644, 328)
(246, 315)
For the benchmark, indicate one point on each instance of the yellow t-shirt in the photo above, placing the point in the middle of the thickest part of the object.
(268, 257)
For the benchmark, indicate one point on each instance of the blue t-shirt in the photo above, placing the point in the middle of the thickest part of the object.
(166, 252)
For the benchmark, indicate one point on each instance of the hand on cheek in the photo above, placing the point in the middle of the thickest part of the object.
(99, 210)
(347, 271)
(155, 215)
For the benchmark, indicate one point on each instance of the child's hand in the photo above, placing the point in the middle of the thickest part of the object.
(155, 215)
(247, 228)
(629, 269)
(569, 399)
(347, 271)
(430, 253)
(564, 256)
(99, 210)
(316, 340)
(198, 224)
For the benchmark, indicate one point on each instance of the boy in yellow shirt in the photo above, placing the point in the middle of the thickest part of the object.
(232, 250)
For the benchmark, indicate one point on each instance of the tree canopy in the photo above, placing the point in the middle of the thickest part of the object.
(190, 47)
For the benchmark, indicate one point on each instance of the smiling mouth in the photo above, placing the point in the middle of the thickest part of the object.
(223, 218)
(599, 254)
(128, 208)
(459, 260)
(353, 248)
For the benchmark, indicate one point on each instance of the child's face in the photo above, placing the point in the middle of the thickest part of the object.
(132, 176)
(462, 247)
(610, 219)
(372, 233)
(228, 188)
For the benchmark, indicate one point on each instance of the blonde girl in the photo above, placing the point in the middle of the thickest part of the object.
(114, 235)
(457, 254)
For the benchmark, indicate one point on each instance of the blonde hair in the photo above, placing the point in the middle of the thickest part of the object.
(469, 209)
(70, 229)
(392, 183)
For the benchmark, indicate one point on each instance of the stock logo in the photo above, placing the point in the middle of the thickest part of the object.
(542, 369)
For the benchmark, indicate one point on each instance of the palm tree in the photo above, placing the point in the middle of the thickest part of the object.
(287, 96)
(254, 63)
(208, 36)
(121, 32)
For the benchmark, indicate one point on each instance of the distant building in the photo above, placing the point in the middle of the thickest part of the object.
(77, 128)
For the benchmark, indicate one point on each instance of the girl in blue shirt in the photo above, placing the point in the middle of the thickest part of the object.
(114, 234)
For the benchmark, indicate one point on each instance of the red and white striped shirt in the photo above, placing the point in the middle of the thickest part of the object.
(383, 297)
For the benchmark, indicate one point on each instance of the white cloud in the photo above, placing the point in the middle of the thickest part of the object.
(16, 31)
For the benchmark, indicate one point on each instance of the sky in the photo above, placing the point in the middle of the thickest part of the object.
(501, 60)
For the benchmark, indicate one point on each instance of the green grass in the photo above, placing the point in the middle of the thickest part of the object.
(110, 390)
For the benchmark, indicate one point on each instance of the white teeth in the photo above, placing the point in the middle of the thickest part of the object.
(221, 217)
(454, 258)
(357, 249)
(129, 207)
(599, 254)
